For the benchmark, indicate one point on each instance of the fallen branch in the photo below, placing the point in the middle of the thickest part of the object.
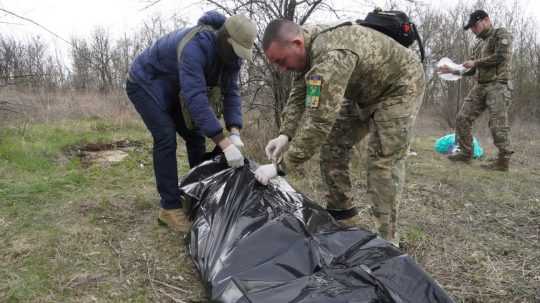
(171, 296)
(150, 279)
(171, 286)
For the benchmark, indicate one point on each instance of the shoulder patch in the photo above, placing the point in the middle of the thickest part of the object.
(505, 42)
(313, 93)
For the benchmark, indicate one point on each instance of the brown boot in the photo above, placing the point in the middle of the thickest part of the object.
(174, 219)
(460, 157)
(501, 164)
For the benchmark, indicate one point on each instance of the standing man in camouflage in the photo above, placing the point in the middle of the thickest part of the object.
(491, 63)
(351, 81)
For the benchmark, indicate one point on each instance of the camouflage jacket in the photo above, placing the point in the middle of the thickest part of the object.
(349, 61)
(493, 56)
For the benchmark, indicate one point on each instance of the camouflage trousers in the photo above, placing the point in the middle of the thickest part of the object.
(496, 98)
(389, 125)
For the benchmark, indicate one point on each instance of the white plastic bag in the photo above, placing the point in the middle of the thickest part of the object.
(453, 66)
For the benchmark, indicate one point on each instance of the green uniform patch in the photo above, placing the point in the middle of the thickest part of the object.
(313, 93)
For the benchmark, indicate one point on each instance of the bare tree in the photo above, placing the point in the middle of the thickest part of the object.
(22, 64)
(122, 55)
(152, 29)
(34, 62)
(100, 51)
(444, 37)
(28, 63)
(82, 64)
(10, 53)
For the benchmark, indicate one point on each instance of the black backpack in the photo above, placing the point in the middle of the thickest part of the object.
(395, 24)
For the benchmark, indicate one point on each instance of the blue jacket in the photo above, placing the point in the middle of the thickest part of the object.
(158, 71)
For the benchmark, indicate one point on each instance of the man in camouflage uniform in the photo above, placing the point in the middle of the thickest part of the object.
(491, 63)
(351, 81)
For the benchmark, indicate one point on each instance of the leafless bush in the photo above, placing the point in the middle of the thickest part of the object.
(45, 106)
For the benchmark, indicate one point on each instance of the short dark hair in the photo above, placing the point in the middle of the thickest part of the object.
(277, 30)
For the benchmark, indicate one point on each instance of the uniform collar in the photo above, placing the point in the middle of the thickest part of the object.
(308, 40)
(486, 33)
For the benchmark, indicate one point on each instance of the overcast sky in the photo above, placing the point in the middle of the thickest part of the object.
(79, 18)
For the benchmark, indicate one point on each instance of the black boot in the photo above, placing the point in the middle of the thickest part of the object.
(501, 164)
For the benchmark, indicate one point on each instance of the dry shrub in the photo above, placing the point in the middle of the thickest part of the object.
(257, 131)
(42, 106)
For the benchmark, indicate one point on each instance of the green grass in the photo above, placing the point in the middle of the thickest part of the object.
(67, 229)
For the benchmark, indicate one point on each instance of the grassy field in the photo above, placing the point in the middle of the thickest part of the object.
(72, 231)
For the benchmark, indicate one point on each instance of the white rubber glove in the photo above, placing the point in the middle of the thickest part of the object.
(234, 156)
(276, 148)
(264, 173)
(235, 139)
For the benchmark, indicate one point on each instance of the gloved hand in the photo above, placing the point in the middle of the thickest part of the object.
(469, 64)
(234, 156)
(264, 173)
(236, 140)
(276, 148)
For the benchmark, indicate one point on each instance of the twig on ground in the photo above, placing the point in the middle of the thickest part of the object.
(171, 296)
(150, 279)
(171, 286)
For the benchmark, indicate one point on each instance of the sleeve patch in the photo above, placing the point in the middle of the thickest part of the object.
(504, 42)
(313, 93)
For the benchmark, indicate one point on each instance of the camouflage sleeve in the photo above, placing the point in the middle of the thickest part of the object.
(471, 71)
(326, 83)
(295, 107)
(502, 52)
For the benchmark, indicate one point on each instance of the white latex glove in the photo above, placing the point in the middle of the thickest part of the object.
(276, 148)
(264, 173)
(236, 140)
(234, 156)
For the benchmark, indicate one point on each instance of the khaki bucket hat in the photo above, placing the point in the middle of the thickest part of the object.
(242, 34)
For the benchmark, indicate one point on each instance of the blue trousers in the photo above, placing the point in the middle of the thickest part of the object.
(164, 126)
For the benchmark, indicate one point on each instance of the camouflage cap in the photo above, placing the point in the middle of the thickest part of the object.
(242, 32)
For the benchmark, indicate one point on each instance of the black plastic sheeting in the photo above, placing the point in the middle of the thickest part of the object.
(255, 243)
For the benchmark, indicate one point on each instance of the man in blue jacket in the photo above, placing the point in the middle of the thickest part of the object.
(181, 84)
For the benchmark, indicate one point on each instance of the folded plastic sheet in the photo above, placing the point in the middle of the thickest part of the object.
(452, 66)
(255, 243)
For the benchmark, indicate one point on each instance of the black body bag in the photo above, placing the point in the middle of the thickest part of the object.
(272, 244)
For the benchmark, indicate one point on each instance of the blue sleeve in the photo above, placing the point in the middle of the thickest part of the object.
(194, 88)
(232, 104)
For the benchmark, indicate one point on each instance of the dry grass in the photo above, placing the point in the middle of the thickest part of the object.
(48, 107)
(88, 234)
